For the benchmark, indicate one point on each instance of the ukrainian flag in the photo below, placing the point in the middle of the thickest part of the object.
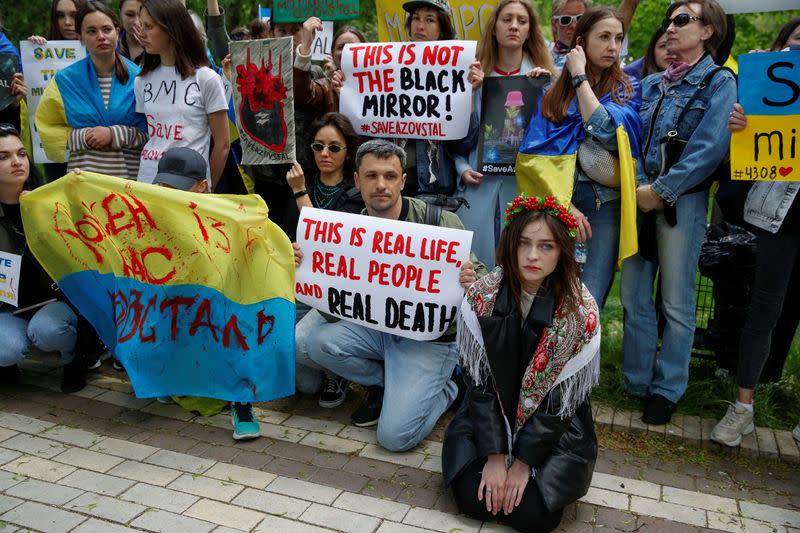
(547, 159)
(193, 293)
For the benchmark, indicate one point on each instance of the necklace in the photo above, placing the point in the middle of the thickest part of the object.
(323, 195)
(509, 73)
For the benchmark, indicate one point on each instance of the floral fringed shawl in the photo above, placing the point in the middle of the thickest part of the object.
(567, 355)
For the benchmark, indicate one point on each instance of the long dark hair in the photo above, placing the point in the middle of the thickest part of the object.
(534, 46)
(120, 69)
(649, 66)
(351, 139)
(447, 32)
(347, 29)
(190, 51)
(34, 178)
(556, 102)
(783, 35)
(55, 33)
(565, 279)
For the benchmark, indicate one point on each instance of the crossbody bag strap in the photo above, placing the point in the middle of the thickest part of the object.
(700, 88)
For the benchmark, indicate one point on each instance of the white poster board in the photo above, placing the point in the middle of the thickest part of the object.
(323, 42)
(40, 64)
(757, 6)
(391, 276)
(9, 278)
(408, 90)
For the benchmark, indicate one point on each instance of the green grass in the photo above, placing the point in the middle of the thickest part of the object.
(777, 404)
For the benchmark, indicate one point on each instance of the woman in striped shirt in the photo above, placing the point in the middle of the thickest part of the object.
(88, 110)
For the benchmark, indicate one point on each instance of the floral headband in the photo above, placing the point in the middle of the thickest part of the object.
(548, 205)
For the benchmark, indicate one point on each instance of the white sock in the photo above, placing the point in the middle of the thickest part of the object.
(748, 406)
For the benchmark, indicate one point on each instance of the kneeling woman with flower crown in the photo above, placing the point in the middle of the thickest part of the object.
(522, 444)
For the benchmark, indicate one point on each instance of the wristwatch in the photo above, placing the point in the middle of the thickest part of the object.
(298, 194)
(577, 80)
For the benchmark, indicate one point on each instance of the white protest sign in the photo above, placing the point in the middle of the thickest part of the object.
(9, 278)
(757, 6)
(391, 276)
(323, 40)
(408, 90)
(40, 63)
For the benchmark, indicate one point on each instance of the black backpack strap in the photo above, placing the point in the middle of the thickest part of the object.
(433, 213)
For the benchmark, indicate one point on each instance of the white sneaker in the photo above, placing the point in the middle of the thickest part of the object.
(737, 422)
(796, 432)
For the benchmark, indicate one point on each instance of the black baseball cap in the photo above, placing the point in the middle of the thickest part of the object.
(181, 168)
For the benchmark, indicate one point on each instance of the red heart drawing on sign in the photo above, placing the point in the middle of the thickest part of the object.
(785, 171)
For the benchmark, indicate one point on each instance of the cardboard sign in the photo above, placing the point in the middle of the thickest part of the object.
(301, 10)
(469, 18)
(323, 42)
(756, 6)
(769, 91)
(507, 103)
(9, 278)
(8, 67)
(391, 276)
(191, 292)
(261, 76)
(408, 90)
(40, 63)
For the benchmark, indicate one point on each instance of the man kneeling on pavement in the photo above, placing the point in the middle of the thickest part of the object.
(408, 382)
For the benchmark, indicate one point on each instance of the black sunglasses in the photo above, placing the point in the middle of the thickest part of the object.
(680, 20)
(8, 128)
(566, 20)
(332, 148)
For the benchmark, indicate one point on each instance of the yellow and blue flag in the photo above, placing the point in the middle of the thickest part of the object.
(193, 293)
(547, 158)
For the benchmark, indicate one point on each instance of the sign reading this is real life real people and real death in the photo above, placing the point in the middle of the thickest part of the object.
(408, 90)
(193, 293)
(769, 91)
(388, 275)
(40, 63)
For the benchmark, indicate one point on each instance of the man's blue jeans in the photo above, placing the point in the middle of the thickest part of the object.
(53, 328)
(646, 370)
(415, 376)
(603, 248)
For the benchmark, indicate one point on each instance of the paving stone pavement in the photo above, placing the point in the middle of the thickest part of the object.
(102, 460)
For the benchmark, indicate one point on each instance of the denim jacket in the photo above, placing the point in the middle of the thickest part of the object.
(768, 202)
(704, 126)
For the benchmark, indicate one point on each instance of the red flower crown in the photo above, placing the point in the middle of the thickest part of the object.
(548, 205)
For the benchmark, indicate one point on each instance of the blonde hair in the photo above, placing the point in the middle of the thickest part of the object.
(534, 46)
(558, 5)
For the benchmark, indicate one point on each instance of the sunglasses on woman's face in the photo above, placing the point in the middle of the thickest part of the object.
(680, 20)
(332, 148)
(566, 20)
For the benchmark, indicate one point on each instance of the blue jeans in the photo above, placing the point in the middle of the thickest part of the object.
(602, 249)
(486, 213)
(53, 328)
(666, 373)
(307, 374)
(415, 376)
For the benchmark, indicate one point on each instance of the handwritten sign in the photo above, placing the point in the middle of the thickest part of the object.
(323, 42)
(261, 76)
(301, 10)
(769, 91)
(9, 277)
(40, 63)
(191, 292)
(8, 67)
(408, 90)
(507, 103)
(392, 276)
(469, 19)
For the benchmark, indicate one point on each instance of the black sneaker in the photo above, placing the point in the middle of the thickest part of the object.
(116, 365)
(10, 375)
(333, 392)
(369, 411)
(74, 377)
(658, 410)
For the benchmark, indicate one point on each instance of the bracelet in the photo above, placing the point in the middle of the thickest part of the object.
(298, 194)
(577, 80)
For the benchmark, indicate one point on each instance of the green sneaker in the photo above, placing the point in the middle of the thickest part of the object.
(245, 425)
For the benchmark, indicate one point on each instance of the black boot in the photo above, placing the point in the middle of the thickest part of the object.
(74, 378)
(9, 375)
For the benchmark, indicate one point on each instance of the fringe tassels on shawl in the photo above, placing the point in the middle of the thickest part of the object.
(471, 350)
(578, 377)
